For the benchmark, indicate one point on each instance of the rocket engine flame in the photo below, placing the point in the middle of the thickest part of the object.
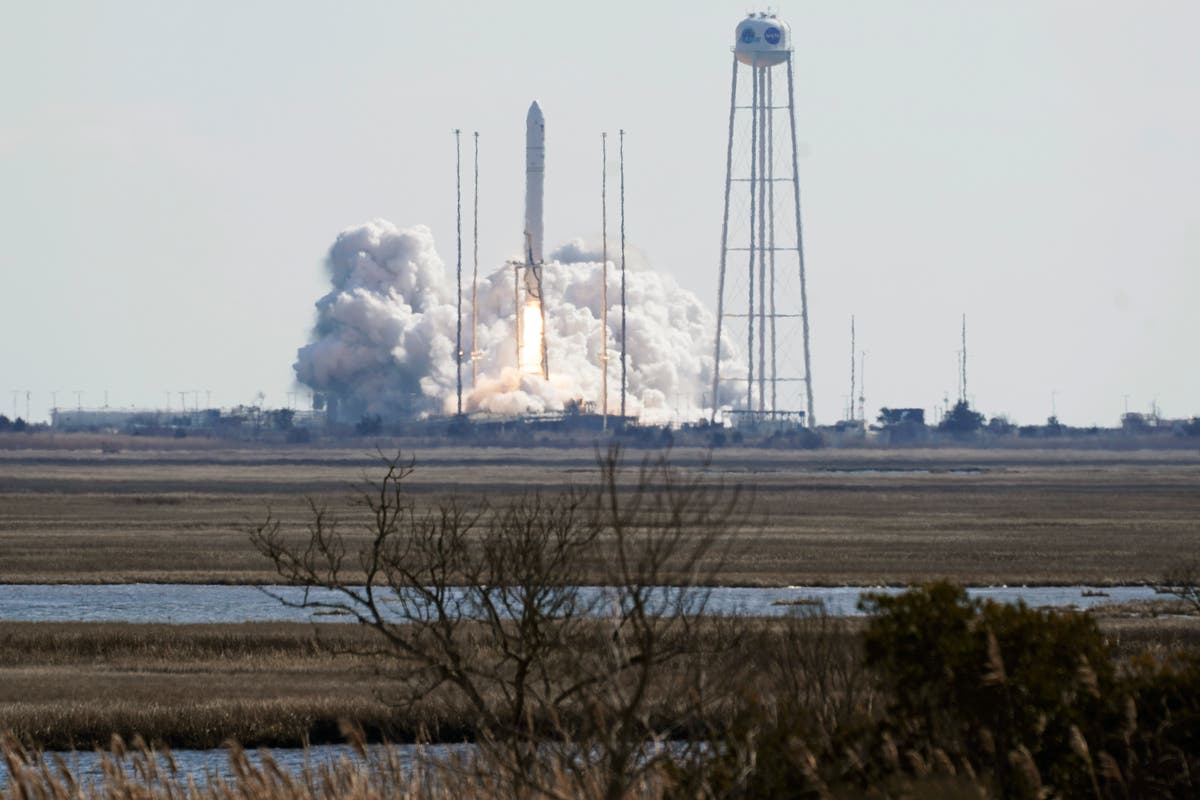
(531, 337)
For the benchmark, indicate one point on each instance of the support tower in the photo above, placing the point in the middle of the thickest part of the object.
(763, 258)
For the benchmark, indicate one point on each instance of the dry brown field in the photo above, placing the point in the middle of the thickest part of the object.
(176, 513)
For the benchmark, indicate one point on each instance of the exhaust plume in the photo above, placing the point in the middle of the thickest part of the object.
(383, 343)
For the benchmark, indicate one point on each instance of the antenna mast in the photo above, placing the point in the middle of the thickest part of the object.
(475, 275)
(604, 278)
(852, 368)
(623, 364)
(458, 352)
(964, 358)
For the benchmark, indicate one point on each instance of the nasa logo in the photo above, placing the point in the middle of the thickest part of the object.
(772, 35)
(747, 36)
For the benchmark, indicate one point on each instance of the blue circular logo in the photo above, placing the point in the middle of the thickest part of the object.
(747, 36)
(772, 35)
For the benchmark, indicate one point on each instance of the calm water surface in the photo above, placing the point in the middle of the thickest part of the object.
(189, 603)
(206, 765)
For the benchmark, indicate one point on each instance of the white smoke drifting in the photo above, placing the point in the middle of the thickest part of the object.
(385, 335)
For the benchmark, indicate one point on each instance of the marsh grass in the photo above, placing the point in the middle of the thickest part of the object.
(1147, 609)
(1032, 517)
(806, 711)
(67, 685)
(73, 685)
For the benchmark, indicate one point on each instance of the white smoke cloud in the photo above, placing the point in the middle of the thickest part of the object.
(385, 335)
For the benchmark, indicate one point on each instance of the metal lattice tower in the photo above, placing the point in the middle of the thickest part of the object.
(773, 271)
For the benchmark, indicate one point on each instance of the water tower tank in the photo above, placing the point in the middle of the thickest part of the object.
(763, 40)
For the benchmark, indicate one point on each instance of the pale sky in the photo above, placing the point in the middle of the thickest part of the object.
(172, 175)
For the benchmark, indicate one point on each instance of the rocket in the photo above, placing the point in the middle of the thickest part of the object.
(535, 174)
(531, 315)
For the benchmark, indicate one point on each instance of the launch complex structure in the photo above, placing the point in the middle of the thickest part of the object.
(529, 308)
(763, 42)
(776, 299)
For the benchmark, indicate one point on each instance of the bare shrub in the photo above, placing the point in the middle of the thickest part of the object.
(491, 603)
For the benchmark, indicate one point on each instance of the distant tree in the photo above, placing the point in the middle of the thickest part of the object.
(5, 423)
(1000, 426)
(961, 419)
(282, 418)
(19, 425)
(903, 425)
(889, 417)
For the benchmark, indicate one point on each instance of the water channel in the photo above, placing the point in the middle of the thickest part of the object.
(200, 603)
(205, 766)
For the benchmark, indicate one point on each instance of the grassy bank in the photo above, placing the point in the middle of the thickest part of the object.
(65, 685)
(73, 685)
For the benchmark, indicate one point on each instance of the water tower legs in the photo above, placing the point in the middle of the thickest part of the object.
(762, 309)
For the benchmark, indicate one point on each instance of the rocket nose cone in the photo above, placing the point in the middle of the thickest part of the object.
(535, 112)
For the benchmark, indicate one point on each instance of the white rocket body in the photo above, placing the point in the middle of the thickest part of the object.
(535, 175)
(531, 315)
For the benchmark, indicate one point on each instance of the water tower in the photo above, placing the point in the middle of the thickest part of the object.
(762, 249)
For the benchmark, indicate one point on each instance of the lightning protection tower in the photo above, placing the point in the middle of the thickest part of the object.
(762, 250)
